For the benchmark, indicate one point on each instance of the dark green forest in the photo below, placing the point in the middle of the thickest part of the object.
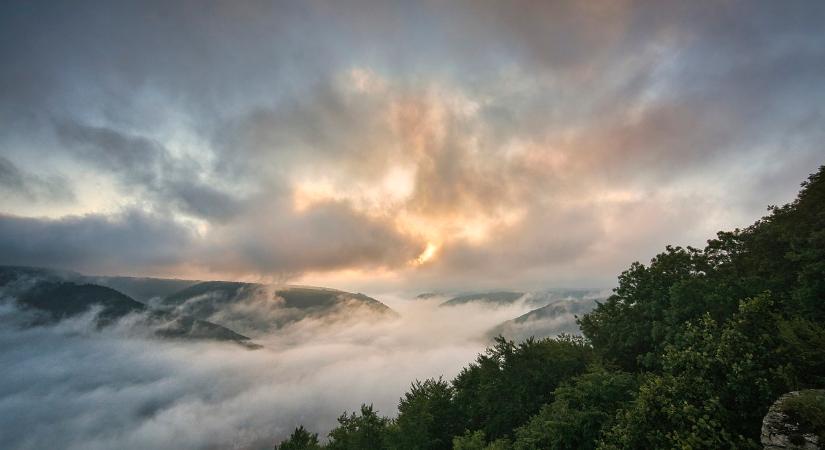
(689, 352)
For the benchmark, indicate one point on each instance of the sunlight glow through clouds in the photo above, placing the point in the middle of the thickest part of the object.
(494, 144)
(427, 254)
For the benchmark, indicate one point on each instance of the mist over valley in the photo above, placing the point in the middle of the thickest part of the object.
(217, 364)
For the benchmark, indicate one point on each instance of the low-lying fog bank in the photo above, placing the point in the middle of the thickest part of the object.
(74, 385)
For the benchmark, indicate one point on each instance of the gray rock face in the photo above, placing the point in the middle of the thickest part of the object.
(781, 432)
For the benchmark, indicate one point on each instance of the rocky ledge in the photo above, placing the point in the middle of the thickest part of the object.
(795, 421)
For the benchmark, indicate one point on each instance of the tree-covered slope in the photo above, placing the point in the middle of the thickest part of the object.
(496, 298)
(142, 289)
(46, 297)
(59, 300)
(254, 309)
(550, 320)
(532, 299)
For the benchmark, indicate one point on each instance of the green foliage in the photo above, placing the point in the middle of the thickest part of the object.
(671, 412)
(717, 385)
(427, 417)
(471, 440)
(364, 431)
(300, 439)
(808, 410)
(510, 382)
(581, 409)
(805, 340)
(78, 298)
(475, 440)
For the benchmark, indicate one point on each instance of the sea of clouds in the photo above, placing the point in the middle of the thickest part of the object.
(73, 386)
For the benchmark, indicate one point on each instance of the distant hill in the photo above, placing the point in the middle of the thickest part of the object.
(498, 298)
(143, 289)
(181, 308)
(548, 321)
(535, 299)
(60, 300)
(257, 308)
(25, 274)
(206, 298)
(48, 297)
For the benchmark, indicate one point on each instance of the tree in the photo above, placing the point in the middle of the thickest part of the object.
(581, 409)
(427, 417)
(300, 439)
(632, 327)
(470, 441)
(509, 383)
(364, 431)
(717, 384)
(804, 341)
(475, 440)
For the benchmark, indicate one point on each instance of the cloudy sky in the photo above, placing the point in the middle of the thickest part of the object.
(420, 145)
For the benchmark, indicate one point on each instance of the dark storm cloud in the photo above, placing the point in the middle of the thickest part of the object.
(327, 237)
(115, 49)
(14, 181)
(109, 243)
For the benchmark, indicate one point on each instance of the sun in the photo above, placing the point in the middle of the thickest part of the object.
(427, 254)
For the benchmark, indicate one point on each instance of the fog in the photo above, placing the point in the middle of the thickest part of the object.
(73, 386)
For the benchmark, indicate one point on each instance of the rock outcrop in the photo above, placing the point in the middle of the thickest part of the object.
(781, 431)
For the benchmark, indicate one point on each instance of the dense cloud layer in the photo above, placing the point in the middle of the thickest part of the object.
(131, 239)
(31, 187)
(379, 143)
(74, 387)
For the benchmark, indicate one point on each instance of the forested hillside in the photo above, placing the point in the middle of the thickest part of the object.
(689, 352)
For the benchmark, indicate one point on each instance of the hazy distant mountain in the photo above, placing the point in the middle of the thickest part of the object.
(549, 320)
(49, 296)
(59, 300)
(181, 308)
(24, 274)
(139, 288)
(256, 308)
(533, 299)
(498, 298)
(143, 289)
(205, 298)
(554, 310)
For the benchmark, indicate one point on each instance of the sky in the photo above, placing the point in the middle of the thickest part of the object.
(398, 145)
